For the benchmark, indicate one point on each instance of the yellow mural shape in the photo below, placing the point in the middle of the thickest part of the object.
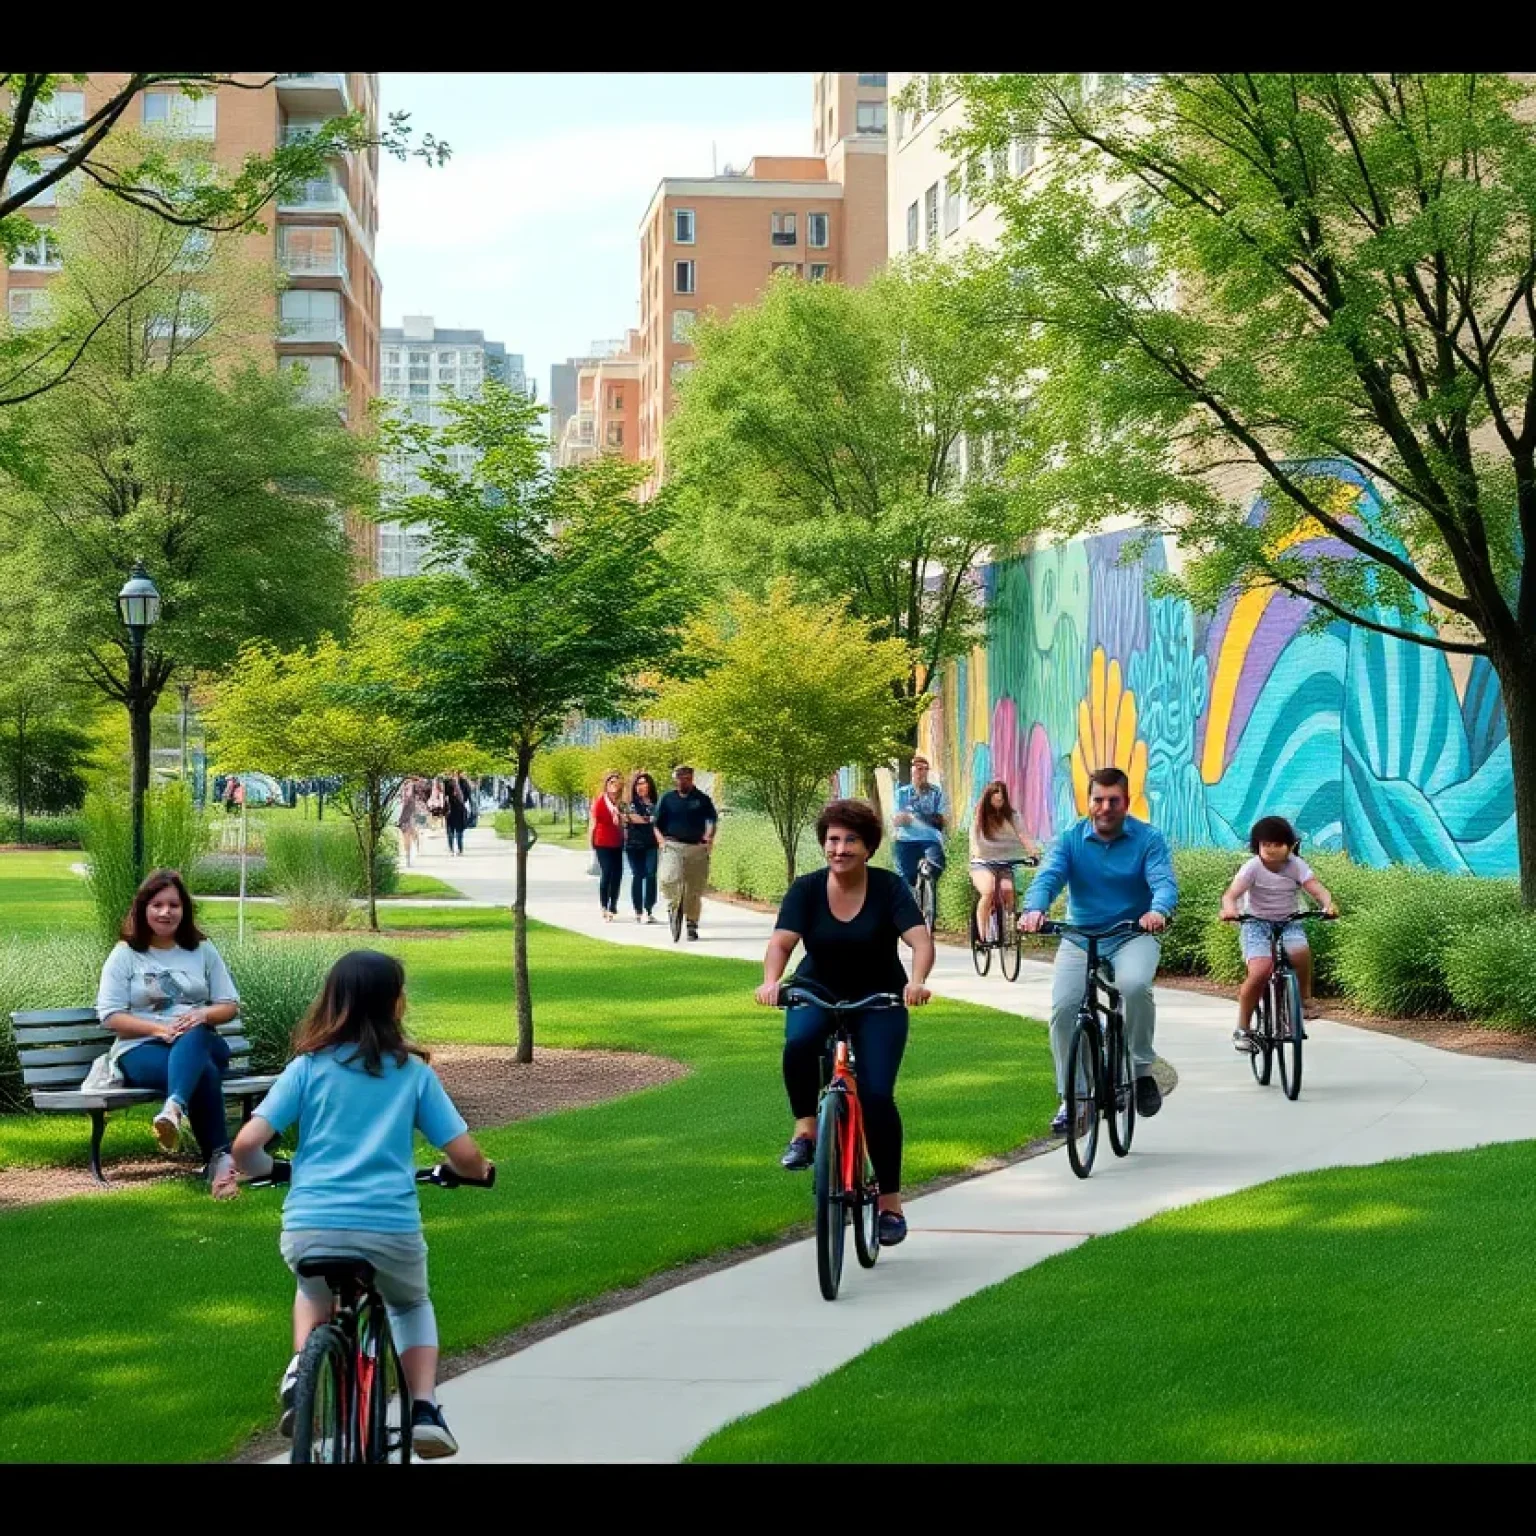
(1106, 736)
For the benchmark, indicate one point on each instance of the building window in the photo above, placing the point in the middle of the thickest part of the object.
(39, 254)
(818, 230)
(615, 434)
(190, 318)
(931, 217)
(874, 80)
(178, 112)
(680, 371)
(869, 116)
(820, 272)
(312, 314)
(19, 180)
(792, 267)
(901, 124)
(682, 324)
(913, 227)
(785, 229)
(952, 197)
(26, 307)
(615, 397)
(66, 109)
(683, 226)
(196, 251)
(1023, 154)
(683, 277)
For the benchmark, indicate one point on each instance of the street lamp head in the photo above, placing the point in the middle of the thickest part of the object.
(139, 601)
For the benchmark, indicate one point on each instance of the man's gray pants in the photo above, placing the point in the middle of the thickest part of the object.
(1135, 967)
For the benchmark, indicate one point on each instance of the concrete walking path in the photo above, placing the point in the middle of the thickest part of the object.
(649, 1382)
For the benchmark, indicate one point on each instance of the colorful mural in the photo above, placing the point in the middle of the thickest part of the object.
(1369, 744)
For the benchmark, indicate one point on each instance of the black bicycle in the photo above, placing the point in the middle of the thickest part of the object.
(349, 1370)
(998, 928)
(1100, 1078)
(1278, 1020)
(846, 1189)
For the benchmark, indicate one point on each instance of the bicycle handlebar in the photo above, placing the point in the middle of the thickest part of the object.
(1073, 930)
(1281, 922)
(1030, 863)
(440, 1174)
(803, 992)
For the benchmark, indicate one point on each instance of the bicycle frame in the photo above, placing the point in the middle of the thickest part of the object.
(841, 1078)
(999, 868)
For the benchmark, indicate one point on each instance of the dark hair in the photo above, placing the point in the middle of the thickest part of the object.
(1273, 829)
(634, 784)
(356, 1006)
(136, 930)
(990, 819)
(856, 816)
(1110, 778)
(681, 768)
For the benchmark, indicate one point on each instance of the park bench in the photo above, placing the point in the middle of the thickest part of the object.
(58, 1045)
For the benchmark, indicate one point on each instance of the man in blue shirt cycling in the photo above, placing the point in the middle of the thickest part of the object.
(919, 821)
(1115, 869)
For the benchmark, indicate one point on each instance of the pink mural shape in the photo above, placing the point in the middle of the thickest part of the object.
(1007, 750)
(1039, 785)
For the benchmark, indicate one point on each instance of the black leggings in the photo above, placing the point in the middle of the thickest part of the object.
(642, 869)
(611, 862)
(879, 1040)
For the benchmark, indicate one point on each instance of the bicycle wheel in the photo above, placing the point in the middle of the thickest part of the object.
(1083, 1099)
(866, 1216)
(675, 917)
(1288, 1033)
(831, 1212)
(1262, 1061)
(387, 1434)
(927, 901)
(322, 1416)
(981, 956)
(1121, 1083)
(1010, 952)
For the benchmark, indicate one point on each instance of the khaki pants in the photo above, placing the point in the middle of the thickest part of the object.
(683, 876)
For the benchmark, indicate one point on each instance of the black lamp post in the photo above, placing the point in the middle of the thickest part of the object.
(139, 605)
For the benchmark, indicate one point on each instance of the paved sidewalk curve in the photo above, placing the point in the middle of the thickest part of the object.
(649, 1382)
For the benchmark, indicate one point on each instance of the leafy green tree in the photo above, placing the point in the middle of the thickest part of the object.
(561, 771)
(794, 691)
(332, 709)
(1238, 275)
(166, 446)
(42, 146)
(853, 438)
(550, 599)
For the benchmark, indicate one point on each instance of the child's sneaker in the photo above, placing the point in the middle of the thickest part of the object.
(285, 1391)
(1242, 1040)
(430, 1435)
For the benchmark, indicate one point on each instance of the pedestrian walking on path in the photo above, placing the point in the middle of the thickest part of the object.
(1115, 869)
(685, 834)
(640, 845)
(456, 813)
(606, 834)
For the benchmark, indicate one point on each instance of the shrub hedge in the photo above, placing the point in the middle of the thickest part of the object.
(62, 831)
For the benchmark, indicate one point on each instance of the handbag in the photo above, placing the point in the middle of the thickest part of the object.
(594, 868)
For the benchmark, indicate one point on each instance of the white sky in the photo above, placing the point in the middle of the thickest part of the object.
(531, 231)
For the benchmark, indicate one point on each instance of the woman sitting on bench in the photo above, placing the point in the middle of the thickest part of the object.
(164, 990)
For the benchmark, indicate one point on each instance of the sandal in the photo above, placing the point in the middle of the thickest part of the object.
(223, 1180)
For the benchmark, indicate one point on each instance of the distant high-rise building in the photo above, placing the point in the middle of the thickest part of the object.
(714, 242)
(423, 367)
(321, 235)
(607, 414)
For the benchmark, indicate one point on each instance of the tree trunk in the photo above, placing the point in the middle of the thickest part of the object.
(372, 818)
(1518, 680)
(521, 989)
(21, 773)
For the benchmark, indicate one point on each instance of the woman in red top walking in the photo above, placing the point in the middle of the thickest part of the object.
(607, 837)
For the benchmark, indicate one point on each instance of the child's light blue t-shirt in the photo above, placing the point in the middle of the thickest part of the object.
(355, 1168)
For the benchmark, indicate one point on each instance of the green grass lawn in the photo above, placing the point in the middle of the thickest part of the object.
(1357, 1314)
(152, 1324)
(409, 883)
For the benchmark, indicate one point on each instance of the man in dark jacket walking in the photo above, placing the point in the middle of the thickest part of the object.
(685, 833)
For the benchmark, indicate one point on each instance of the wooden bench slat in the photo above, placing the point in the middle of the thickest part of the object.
(54, 1016)
(41, 1034)
(59, 1056)
(73, 1101)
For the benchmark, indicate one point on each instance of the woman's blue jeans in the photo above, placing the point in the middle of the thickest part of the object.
(642, 866)
(191, 1071)
(879, 1041)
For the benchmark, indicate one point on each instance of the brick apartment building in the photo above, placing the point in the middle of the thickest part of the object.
(321, 236)
(713, 243)
(606, 417)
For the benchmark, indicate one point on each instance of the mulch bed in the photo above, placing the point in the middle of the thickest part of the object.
(485, 1081)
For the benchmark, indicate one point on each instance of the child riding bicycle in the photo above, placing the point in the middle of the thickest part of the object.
(358, 1089)
(1270, 881)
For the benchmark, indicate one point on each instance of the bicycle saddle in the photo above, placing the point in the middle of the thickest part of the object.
(340, 1272)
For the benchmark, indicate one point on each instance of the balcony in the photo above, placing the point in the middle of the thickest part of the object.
(316, 197)
(307, 261)
(327, 331)
(315, 95)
